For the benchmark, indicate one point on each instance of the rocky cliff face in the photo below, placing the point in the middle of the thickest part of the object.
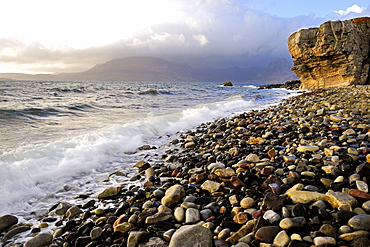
(335, 54)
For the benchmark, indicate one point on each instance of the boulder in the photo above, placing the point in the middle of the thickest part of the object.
(173, 195)
(227, 84)
(40, 240)
(192, 235)
(7, 221)
(335, 54)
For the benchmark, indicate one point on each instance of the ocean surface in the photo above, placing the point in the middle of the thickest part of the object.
(59, 140)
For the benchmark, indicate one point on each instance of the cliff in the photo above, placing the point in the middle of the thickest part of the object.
(335, 54)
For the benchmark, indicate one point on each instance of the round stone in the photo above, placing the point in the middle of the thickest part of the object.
(271, 216)
(360, 222)
(192, 215)
(288, 223)
(247, 202)
(282, 239)
(323, 241)
(179, 214)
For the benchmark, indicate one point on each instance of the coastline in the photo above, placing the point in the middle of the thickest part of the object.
(277, 175)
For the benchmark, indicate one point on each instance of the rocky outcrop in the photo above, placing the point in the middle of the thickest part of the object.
(335, 54)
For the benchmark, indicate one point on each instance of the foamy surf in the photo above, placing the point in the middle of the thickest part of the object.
(39, 175)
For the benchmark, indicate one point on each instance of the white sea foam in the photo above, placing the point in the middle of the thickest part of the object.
(31, 173)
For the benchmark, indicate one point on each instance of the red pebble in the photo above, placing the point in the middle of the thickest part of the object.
(210, 218)
(236, 182)
(257, 214)
(359, 194)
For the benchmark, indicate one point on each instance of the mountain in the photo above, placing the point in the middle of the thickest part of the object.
(157, 69)
(136, 69)
(278, 71)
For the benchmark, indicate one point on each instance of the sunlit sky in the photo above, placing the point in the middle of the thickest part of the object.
(53, 36)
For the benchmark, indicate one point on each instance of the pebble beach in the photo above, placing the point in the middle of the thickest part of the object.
(295, 174)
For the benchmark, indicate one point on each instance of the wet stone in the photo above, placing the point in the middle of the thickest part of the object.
(344, 215)
(300, 209)
(272, 201)
(360, 242)
(96, 232)
(40, 240)
(267, 233)
(328, 230)
(7, 221)
(360, 222)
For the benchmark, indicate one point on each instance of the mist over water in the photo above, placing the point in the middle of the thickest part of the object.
(61, 139)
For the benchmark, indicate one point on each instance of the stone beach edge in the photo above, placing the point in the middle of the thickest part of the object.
(295, 174)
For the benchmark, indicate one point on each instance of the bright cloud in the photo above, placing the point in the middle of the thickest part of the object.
(69, 36)
(353, 9)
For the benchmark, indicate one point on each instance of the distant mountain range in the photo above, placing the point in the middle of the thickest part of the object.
(157, 69)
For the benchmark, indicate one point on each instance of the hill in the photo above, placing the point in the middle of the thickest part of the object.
(157, 69)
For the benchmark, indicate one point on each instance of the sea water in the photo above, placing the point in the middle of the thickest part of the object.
(59, 140)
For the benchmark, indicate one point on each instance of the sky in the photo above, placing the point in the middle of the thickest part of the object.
(56, 36)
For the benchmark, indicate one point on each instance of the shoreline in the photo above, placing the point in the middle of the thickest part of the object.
(279, 175)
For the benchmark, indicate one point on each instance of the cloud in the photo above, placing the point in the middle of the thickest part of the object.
(353, 9)
(209, 32)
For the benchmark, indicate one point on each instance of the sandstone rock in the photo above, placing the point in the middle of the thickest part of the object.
(40, 240)
(336, 199)
(307, 148)
(334, 54)
(210, 186)
(123, 228)
(173, 195)
(252, 158)
(305, 196)
(109, 192)
(190, 236)
(224, 173)
(282, 239)
(241, 218)
(354, 235)
(244, 230)
(247, 202)
(324, 241)
(7, 221)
